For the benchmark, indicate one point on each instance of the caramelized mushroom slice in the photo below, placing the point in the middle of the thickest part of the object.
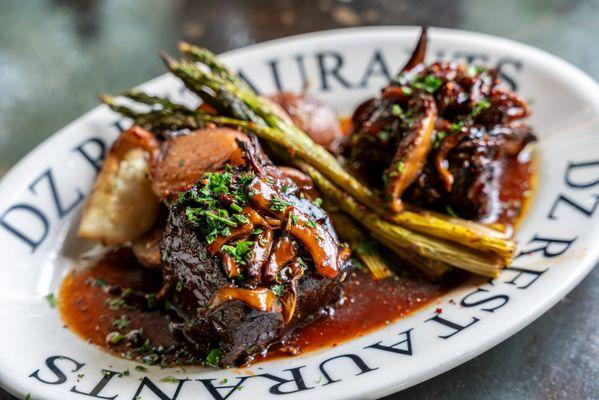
(282, 253)
(411, 154)
(289, 299)
(319, 243)
(260, 298)
(419, 53)
(230, 265)
(260, 253)
(236, 233)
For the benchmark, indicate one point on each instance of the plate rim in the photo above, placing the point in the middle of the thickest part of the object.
(585, 266)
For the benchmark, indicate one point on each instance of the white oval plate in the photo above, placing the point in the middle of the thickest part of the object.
(40, 201)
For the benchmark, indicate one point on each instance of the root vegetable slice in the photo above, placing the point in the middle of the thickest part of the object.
(184, 159)
(313, 116)
(122, 205)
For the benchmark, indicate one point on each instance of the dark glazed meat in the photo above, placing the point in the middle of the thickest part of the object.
(455, 167)
(247, 259)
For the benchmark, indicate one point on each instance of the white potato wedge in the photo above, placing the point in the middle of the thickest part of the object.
(122, 205)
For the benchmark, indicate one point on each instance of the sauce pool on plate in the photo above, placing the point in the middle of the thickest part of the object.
(113, 304)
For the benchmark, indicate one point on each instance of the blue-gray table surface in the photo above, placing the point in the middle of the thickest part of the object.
(55, 55)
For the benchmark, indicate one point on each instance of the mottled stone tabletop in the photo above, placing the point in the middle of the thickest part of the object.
(55, 55)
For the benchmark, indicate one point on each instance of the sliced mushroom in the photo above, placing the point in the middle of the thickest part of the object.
(419, 53)
(411, 154)
(260, 298)
(282, 253)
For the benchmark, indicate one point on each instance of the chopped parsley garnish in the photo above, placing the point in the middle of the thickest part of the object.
(204, 208)
(397, 111)
(278, 204)
(239, 251)
(121, 322)
(51, 299)
(428, 83)
(141, 368)
(115, 304)
(383, 135)
(279, 289)
(300, 261)
(236, 207)
(213, 357)
(170, 379)
(317, 202)
(473, 70)
(400, 167)
(451, 212)
(479, 107)
(457, 126)
(257, 231)
(294, 218)
(438, 139)
(311, 223)
(242, 219)
(151, 300)
(115, 337)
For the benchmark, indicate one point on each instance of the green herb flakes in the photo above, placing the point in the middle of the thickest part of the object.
(213, 357)
(279, 289)
(400, 167)
(115, 337)
(428, 83)
(451, 212)
(52, 301)
(238, 251)
(277, 204)
(121, 322)
(311, 223)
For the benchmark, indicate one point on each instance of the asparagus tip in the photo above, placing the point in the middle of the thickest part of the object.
(185, 47)
(106, 99)
(169, 61)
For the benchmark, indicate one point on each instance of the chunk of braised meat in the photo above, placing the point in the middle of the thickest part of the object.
(248, 258)
(478, 126)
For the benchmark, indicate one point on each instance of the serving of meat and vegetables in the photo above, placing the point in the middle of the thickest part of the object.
(249, 227)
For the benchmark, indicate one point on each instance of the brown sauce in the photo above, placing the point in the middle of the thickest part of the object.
(90, 305)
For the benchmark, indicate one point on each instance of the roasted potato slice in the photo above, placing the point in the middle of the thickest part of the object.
(122, 205)
(313, 116)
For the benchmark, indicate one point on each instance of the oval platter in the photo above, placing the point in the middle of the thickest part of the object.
(41, 199)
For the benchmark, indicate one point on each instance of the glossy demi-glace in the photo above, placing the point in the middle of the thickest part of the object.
(113, 304)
